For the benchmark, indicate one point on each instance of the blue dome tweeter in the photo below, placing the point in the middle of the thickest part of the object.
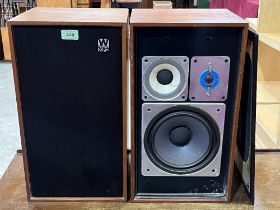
(211, 79)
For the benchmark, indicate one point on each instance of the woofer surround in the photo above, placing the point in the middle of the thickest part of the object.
(182, 139)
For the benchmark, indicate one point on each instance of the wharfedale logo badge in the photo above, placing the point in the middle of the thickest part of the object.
(103, 45)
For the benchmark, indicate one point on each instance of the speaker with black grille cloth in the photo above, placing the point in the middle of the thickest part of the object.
(186, 71)
(70, 75)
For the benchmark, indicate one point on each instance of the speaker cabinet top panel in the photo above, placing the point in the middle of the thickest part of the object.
(72, 16)
(185, 17)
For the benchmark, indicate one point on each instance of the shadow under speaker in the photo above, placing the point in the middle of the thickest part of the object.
(186, 85)
(70, 75)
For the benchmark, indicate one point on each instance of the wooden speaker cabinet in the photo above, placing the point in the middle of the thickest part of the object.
(70, 78)
(186, 80)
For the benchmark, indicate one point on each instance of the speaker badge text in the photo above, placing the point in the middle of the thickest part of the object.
(103, 45)
(69, 34)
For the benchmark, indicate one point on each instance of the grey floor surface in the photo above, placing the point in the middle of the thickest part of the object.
(9, 129)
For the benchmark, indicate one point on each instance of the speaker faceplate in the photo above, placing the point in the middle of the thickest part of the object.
(220, 67)
(151, 110)
(176, 90)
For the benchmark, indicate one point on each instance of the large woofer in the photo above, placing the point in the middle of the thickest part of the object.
(182, 140)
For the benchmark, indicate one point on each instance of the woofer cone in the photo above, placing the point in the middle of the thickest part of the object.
(182, 139)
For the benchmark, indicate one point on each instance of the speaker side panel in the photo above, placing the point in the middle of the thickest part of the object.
(245, 152)
(190, 42)
(71, 97)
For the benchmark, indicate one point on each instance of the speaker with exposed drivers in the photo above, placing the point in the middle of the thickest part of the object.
(186, 70)
(70, 76)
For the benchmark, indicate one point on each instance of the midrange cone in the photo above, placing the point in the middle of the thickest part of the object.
(165, 78)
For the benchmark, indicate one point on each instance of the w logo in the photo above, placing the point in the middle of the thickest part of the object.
(103, 45)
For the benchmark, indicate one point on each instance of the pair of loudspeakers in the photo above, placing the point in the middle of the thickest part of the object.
(71, 84)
